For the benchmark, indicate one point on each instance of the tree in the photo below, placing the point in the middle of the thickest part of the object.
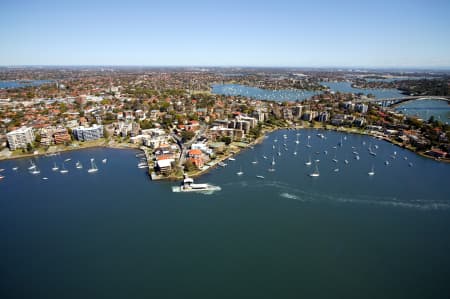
(226, 139)
(187, 135)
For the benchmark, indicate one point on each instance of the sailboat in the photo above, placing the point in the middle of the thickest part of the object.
(308, 163)
(255, 161)
(33, 166)
(35, 170)
(371, 172)
(297, 141)
(308, 145)
(240, 172)
(78, 165)
(104, 161)
(315, 173)
(63, 169)
(273, 160)
(93, 167)
(55, 168)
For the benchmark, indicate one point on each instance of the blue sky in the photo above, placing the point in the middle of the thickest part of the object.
(226, 33)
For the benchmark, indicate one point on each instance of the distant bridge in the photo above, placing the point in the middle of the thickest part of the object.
(395, 101)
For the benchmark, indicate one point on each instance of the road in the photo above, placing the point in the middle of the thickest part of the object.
(185, 146)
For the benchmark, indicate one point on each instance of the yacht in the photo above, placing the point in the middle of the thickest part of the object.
(55, 168)
(308, 163)
(33, 166)
(187, 185)
(63, 169)
(315, 173)
(93, 167)
(240, 172)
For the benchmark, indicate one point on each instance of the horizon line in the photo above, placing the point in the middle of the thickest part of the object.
(440, 68)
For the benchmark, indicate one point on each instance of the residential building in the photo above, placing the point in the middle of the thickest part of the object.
(20, 138)
(88, 133)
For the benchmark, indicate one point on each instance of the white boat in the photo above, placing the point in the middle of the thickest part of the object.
(63, 169)
(93, 167)
(273, 160)
(386, 162)
(187, 185)
(35, 171)
(2, 169)
(78, 165)
(55, 168)
(265, 157)
(67, 160)
(33, 166)
(297, 141)
(231, 159)
(336, 170)
(15, 168)
(346, 161)
(371, 172)
(142, 165)
(45, 178)
(308, 163)
(335, 160)
(240, 172)
(104, 161)
(255, 161)
(357, 157)
(410, 164)
(260, 177)
(221, 164)
(2, 177)
(315, 173)
(271, 169)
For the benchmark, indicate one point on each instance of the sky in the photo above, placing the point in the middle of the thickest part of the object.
(396, 33)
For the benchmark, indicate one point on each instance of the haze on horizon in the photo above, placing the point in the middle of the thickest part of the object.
(379, 34)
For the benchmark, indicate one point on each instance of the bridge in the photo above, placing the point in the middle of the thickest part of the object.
(395, 101)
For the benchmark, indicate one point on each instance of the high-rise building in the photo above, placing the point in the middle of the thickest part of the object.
(88, 133)
(20, 138)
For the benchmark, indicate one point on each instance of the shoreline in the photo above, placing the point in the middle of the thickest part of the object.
(236, 150)
(70, 149)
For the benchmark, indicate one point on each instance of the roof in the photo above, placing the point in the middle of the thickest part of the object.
(164, 163)
(195, 152)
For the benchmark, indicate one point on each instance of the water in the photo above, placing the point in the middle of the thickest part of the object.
(380, 93)
(426, 108)
(293, 95)
(261, 94)
(17, 84)
(116, 234)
